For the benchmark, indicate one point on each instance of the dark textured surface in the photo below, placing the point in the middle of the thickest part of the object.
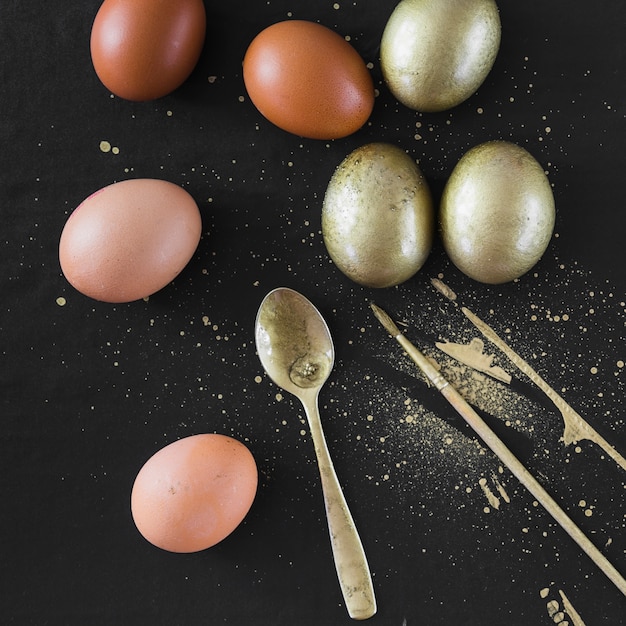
(89, 391)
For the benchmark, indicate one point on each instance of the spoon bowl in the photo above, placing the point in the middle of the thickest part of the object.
(293, 342)
(296, 350)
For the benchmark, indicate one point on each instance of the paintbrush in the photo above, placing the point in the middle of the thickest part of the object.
(500, 449)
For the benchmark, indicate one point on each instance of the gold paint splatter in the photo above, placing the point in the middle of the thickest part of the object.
(106, 146)
(571, 611)
(558, 611)
(493, 500)
(443, 289)
(472, 355)
(502, 491)
(553, 608)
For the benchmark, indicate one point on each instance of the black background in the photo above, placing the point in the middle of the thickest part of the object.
(90, 390)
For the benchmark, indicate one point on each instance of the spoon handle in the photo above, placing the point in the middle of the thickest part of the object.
(350, 561)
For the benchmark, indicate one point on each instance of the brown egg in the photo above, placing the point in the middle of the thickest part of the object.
(194, 492)
(144, 49)
(308, 80)
(130, 239)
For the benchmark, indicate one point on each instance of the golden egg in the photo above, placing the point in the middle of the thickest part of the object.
(497, 212)
(378, 216)
(435, 54)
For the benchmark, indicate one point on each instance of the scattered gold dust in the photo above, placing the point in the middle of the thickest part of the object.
(106, 146)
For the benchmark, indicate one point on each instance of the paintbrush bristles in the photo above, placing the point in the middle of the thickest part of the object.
(385, 320)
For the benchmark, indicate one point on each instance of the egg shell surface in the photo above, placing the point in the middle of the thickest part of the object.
(144, 49)
(194, 492)
(308, 80)
(378, 218)
(129, 239)
(435, 54)
(497, 212)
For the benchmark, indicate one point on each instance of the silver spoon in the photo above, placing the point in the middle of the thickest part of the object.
(295, 348)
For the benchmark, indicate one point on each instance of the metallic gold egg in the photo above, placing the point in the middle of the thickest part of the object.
(435, 54)
(497, 212)
(378, 217)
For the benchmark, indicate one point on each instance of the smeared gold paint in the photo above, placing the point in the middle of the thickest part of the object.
(443, 289)
(493, 500)
(473, 356)
(501, 490)
(571, 611)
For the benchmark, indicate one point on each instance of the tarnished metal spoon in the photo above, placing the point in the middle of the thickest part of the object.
(295, 347)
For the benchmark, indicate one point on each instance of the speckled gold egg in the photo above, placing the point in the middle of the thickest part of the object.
(377, 216)
(435, 54)
(497, 212)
